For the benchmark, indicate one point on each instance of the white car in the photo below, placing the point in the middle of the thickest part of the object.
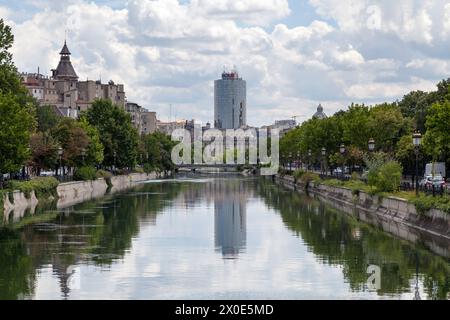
(429, 181)
(47, 174)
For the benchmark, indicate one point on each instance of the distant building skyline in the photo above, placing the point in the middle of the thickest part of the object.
(65, 93)
(319, 113)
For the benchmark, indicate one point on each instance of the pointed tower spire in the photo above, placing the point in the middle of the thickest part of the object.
(65, 49)
(65, 70)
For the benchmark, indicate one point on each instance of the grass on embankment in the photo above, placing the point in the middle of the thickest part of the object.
(423, 202)
(44, 188)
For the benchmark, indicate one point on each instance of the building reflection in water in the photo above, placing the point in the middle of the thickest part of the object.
(230, 206)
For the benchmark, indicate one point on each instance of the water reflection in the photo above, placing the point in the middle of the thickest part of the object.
(230, 218)
(340, 239)
(160, 240)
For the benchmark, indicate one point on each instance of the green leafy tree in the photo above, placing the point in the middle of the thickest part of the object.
(15, 130)
(414, 105)
(158, 147)
(356, 126)
(16, 109)
(94, 151)
(388, 117)
(46, 118)
(73, 140)
(405, 153)
(117, 134)
(9, 80)
(44, 152)
(437, 137)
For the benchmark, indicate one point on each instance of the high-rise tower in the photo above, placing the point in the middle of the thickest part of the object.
(230, 101)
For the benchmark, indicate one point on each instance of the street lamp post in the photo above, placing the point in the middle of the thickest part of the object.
(83, 154)
(324, 153)
(417, 138)
(342, 151)
(115, 155)
(290, 161)
(309, 160)
(60, 153)
(371, 144)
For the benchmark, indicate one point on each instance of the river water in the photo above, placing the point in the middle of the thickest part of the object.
(211, 238)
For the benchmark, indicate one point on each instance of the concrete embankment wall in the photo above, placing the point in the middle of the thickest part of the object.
(71, 193)
(393, 215)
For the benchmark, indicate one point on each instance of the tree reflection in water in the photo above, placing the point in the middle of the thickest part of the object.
(101, 232)
(339, 239)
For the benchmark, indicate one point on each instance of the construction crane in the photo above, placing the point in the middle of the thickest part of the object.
(297, 116)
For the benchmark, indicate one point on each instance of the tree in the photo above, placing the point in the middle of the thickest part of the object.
(356, 126)
(388, 117)
(46, 118)
(117, 134)
(157, 147)
(417, 103)
(73, 140)
(9, 78)
(15, 127)
(94, 151)
(16, 109)
(405, 153)
(44, 152)
(9, 81)
(414, 105)
(437, 137)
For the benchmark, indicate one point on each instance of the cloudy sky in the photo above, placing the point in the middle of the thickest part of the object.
(294, 54)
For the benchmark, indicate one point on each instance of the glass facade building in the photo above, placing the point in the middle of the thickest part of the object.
(230, 101)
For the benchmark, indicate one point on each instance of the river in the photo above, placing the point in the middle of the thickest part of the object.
(211, 238)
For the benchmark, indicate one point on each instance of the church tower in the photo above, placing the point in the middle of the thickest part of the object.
(65, 70)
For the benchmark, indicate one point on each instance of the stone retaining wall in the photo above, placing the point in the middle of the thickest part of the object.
(393, 215)
(71, 193)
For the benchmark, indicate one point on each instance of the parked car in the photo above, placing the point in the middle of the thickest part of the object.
(47, 173)
(429, 181)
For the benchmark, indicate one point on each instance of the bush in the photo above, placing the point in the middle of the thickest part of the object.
(85, 173)
(425, 203)
(148, 168)
(333, 183)
(105, 175)
(387, 177)
(298, 173)
(139, 170)
(42, 186)
(355, 176)
(307, 177)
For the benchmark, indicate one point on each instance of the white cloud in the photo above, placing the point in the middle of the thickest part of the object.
(387, 90)
(167, 52)
(410, 20)
(250, 11)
